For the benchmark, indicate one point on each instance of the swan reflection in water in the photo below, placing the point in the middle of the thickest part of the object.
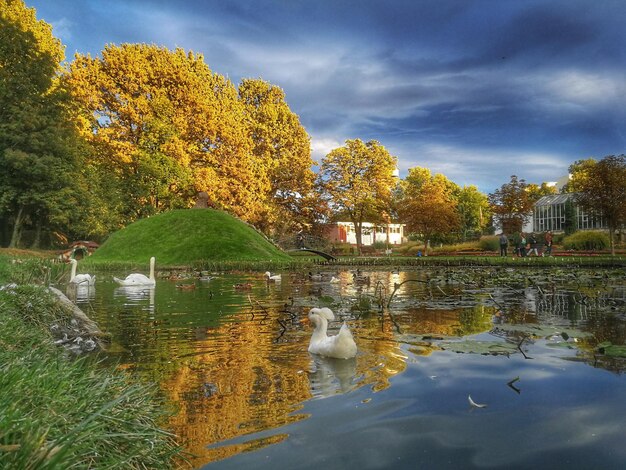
(82, 292)
(136, 295)
(329, 376)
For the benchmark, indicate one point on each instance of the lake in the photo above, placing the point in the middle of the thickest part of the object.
(231, 357)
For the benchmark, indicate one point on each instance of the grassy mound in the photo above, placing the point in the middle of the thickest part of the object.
(181, 237)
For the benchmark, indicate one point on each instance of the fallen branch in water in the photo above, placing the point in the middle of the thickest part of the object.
(495, 302)
(397, 286)
(519, 346)
(258, 304)
(510, 384)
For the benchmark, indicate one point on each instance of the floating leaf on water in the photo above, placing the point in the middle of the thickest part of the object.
(326, 300)
(612, 350)
(543, 331)
(422, 350)
(479, 347)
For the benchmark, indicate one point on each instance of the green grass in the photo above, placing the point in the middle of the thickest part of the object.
(58, 412)
(185, 237)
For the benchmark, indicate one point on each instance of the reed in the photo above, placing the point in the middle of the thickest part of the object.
(59, 412)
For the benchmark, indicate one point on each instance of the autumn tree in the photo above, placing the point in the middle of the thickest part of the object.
(358, 180)
(600, 188)
(512, 205)
(37, 140)
(165, 126)
(536, 191)
(283, 148)
(428, 205)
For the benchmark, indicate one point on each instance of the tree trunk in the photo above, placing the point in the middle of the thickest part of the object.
(17, 228)
(358, 226)
(37, 240)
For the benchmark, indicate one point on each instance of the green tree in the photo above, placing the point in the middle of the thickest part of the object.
(536, 192)
(512, 204)
(600, 188)
(37, 140)
(570, 225)
(358, 180)
(428, 205)
(474, 211)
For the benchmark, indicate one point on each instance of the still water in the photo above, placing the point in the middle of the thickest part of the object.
(231, 355)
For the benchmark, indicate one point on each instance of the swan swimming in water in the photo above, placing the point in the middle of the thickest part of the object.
(136, 279)
(340, 346)
(80, 279)
(275, 277)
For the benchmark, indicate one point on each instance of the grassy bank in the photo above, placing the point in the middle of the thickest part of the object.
(62, 412)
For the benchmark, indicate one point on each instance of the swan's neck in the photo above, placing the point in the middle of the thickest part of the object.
(73, 273)
(321, 325)
(152, 269)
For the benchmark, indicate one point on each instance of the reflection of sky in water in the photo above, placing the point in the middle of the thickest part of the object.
(236, 363)
(566, 416)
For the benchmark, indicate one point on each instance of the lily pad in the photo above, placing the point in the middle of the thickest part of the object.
(544, 331)
(479, 347)
(613, 350)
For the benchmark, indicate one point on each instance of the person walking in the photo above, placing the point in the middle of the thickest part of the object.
(548, 244)
(522, 245)
(532, 241)
(504, 244)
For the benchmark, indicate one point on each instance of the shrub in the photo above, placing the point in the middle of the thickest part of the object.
(465, 246)
(586, 240)
(379, 245)
(342, 249)
(413, 249)
(489, 243)
(409, 248)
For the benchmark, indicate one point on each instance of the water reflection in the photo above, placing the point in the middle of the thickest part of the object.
(236, 364)
(136, 295)
(329, 376)
(80, 292)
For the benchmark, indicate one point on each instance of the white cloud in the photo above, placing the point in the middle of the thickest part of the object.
(320, 147)
(585, 88)
(483, 167)
(62, 29)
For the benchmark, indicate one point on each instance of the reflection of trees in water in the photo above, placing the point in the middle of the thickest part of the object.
(577, 305)
(241, 381)
(598, 312)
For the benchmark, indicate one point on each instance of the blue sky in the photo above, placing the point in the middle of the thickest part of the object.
(476, 90)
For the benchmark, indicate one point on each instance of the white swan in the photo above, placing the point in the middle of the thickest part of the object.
(275, 277)
(80, 279)
(340, 346)
(136, 279)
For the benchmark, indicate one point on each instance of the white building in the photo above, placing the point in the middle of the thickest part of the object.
(344, 232)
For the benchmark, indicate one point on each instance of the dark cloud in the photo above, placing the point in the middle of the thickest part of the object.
(478, 90)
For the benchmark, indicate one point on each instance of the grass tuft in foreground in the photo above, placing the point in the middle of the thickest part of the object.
(58, 412)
